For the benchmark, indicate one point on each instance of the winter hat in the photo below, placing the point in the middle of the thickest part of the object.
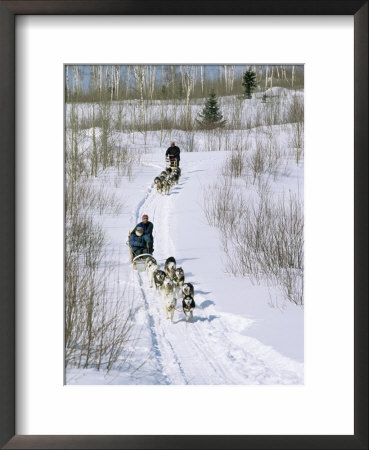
(145, 216)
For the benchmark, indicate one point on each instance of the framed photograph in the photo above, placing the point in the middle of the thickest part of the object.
(223, 147)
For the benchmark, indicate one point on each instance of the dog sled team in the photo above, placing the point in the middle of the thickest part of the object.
(170, 282)
(167, 178)
(170, 176)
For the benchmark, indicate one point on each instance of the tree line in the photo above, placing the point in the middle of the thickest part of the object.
(96, 83)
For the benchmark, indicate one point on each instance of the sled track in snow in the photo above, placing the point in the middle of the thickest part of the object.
(206, 350)
(155, 335)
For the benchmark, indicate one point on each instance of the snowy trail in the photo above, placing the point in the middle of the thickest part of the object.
(211, 349)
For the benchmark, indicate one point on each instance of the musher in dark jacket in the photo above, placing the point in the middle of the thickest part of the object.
(138, 242)
(173, 150)
(147, 232)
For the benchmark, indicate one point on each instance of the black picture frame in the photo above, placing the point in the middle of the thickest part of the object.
(8, 12)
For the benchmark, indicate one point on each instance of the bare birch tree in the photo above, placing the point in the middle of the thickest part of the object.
(260, 74)
(266, 76)
(67, 85)
(116, 81)
(100, 81)
(128, 80)
(77, 76)
(150, 80)
(202, 78)
(187, 79)
(229, 72)
(173, 72)
(271, 77)
(139, 74)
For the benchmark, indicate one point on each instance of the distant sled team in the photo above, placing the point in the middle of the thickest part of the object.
(167, 179)
(170, 176)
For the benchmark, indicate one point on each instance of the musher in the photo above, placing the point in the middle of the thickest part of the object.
(147, 232)
(173, 151)
(138, 242)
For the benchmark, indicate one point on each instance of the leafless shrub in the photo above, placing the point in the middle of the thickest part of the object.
(235, 120)
(98, 327)
(270, 245)
(222, 208)
(106, 138)
(189, 141)
(215, 203)
(258, 120)
(295, 112)
(256, 162)
(266, 158)
(98, 322)
(297, 140)
(273, 113)
(75, 141)
(126, 159)
(262, 240)
(235, 164)
(85, 239)
(90, 198)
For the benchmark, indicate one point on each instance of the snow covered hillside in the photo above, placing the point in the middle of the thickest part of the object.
(235, 337)
(234, 223)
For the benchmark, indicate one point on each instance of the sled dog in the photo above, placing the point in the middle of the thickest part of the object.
(165, 186)
(169, 307)
(168, 297)
(187, 289)
(159, 277)
(167, 288)
(170, 267)
(174, 178)
(151, 269)
(158, 184)
(178, 279)
(188, 305)
(149, 260)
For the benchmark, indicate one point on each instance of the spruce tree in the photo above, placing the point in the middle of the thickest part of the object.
(211, 117)
(249, 82)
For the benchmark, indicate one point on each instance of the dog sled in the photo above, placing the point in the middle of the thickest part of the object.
(171, 162)
(139, 261)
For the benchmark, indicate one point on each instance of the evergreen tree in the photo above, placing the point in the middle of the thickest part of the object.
(249, 82)
(211, 117)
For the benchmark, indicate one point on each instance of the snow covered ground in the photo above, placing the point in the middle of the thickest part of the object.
(239, 334)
